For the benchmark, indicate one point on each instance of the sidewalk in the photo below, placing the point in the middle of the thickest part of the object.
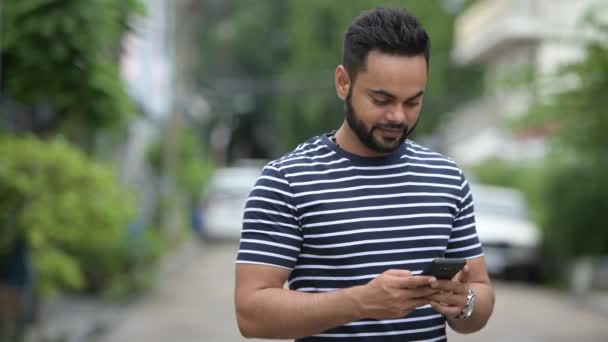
(193, 302)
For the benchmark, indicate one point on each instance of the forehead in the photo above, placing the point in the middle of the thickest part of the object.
(400, 75)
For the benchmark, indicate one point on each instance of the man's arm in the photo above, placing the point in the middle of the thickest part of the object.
(265, 309)
(453, 300)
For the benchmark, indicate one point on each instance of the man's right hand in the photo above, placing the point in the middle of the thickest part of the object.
(393, 294)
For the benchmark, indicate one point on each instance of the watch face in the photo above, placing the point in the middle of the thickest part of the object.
(471, 303)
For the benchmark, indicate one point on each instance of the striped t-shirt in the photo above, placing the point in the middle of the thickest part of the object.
(338, 220)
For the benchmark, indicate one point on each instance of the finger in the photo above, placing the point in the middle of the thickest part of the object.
(463, 276)
(417, 281)
(448, 285)
(449, 299)
(422, 292)
(449, 311)
(416, 303)
(398, 273)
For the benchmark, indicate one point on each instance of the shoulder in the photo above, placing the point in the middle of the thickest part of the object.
(313, 150)
(419, 154)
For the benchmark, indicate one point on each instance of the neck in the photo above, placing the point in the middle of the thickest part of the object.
(348, 141)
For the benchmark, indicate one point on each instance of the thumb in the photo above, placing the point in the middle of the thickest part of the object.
(463, 276)
(398, 273)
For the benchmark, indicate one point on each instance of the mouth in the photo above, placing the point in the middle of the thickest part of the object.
(390, 133)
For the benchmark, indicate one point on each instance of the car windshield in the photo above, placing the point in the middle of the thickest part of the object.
(500, 203)
(233, 183)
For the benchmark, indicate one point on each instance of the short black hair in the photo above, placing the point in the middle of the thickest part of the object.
(388, 30)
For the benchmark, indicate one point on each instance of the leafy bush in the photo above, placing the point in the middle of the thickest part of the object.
(574, 193)
(70, 211)
(63, 54)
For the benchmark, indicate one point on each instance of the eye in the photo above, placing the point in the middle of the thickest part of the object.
(412, 104)
(380, 102)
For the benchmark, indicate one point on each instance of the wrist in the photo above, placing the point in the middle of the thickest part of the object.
(354, 298)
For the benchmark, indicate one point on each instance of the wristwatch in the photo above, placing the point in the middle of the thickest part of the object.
(467, 311)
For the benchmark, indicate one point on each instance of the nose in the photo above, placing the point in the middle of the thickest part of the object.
(397, 114)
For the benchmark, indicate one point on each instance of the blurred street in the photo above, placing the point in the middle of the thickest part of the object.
(194, 303)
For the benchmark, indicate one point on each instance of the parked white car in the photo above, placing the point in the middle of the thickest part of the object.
(224, 201)
(511, 240)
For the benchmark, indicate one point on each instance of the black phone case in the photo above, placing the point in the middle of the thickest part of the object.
(444, 269)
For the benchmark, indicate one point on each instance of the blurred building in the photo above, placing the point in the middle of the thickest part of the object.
(521, 44)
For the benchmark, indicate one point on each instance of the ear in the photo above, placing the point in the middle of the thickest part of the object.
(342, 82)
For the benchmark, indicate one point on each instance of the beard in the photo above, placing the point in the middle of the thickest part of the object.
(365, 134)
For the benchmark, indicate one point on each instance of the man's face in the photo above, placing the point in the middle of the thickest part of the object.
(383, 105)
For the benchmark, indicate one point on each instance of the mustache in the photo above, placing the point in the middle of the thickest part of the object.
(402, 127)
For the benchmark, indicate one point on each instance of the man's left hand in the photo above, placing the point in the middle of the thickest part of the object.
(452, 297)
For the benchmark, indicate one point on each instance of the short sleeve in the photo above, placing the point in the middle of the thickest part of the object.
(271, 232)
(464, 242)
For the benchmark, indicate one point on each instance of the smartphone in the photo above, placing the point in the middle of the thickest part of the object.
(445, 269)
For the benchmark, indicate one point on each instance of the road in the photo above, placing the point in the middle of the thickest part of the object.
(193, 302)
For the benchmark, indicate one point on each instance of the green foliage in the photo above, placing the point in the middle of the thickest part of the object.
(63, 54)
(71, 212)
(316, 49)
(575, 188)
(285, 52)
(193, 166)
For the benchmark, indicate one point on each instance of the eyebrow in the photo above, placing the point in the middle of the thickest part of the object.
(392, 96)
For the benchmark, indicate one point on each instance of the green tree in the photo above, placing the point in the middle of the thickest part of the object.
(315, 34)
(575, 187)
(59, 62)
(280, 57)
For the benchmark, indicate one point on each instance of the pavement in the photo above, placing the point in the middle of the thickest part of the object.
(193, 301)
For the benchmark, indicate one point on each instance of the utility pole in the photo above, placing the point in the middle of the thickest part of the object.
(171, 220)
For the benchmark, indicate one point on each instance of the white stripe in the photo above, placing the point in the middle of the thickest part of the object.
(427, 153)
(464, 184)
(306, 157)
(315, 289)
(421, 158)
(466, 207)
(248, 251)
(378, 218)
(271, 223)
(349, 168)
(469, 194)
(385, 333)
(391, 321)
(460, 218)
(388, 167)
(380, 186)
(260, 187)
(315, 163)
(364, 242)
(390, 206)
(368, 264)
(372, 230)
(262, 242)
(350, 199)
(433, 339)
(264, 199)
(319, 147)
(269, 212)
(388, 251)
(468, 237)
(271, 167)
(274, 179)
(457, 229)
(366, 276)
(344, 179)
(462, 249)
(261, 263)
(475, 256)
(271, 233)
